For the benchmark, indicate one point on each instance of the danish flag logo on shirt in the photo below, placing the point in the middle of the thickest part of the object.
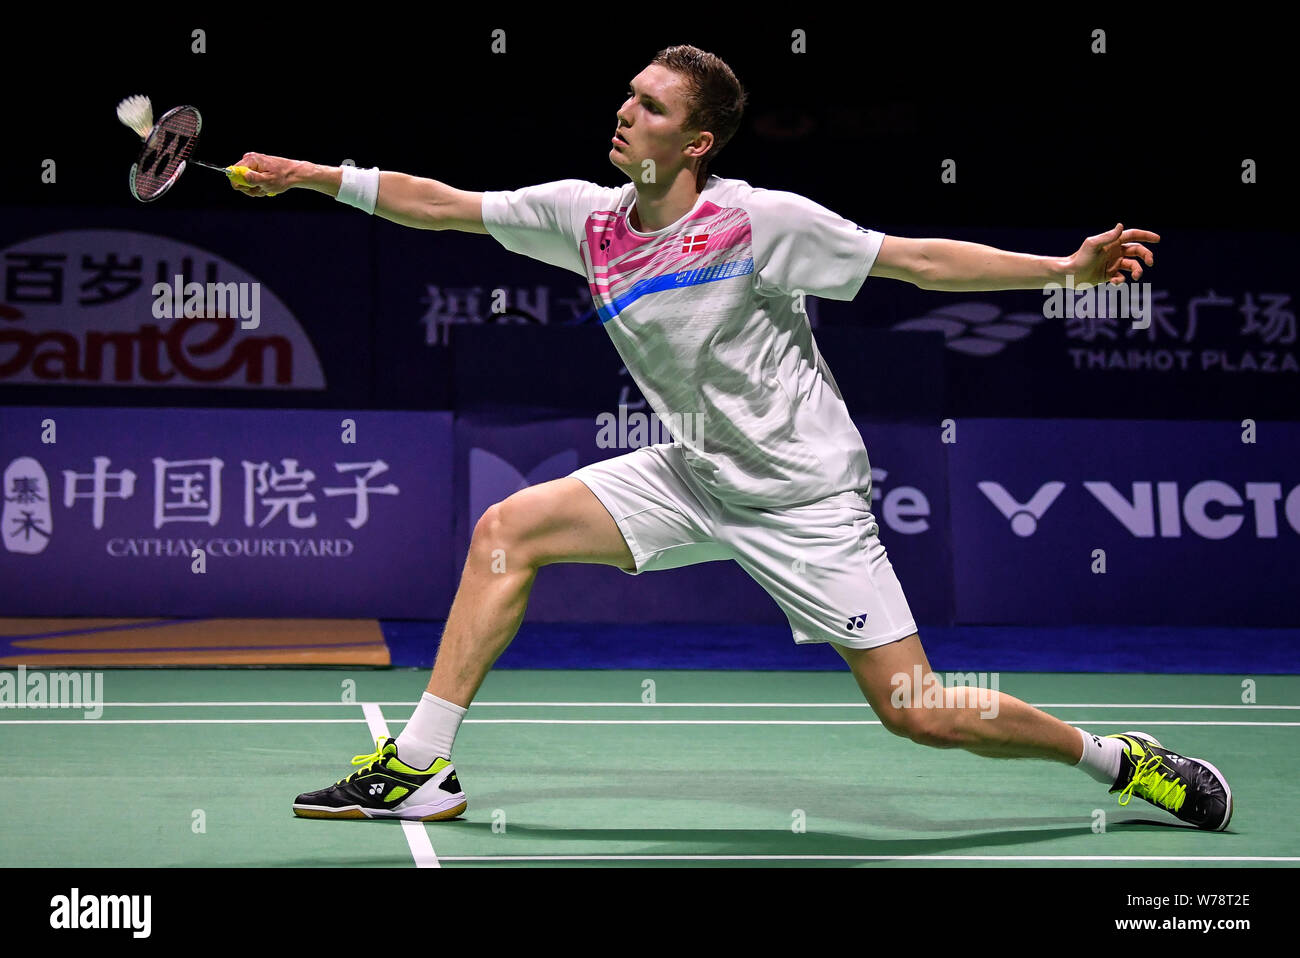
(693, 244)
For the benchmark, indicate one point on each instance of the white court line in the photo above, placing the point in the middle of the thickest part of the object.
(869, 858)
(669, 705)
(256, 721)
(416, 836)
(523, 721)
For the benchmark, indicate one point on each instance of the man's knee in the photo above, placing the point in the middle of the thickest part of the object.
(503, 533)
(934, 727)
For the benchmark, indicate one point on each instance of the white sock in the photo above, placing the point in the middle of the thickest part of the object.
(430, 733)
(1101, 757)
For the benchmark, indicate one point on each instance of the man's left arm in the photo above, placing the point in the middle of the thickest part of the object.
(959, 266)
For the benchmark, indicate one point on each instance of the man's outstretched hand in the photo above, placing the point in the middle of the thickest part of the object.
(266, 176)
(1105, 257)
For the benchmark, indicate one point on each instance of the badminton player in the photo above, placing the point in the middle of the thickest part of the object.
(700, 281)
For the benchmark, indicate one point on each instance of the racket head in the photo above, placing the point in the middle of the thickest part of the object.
(165, 152)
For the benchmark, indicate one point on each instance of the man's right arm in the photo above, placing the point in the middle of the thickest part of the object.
(414, 201)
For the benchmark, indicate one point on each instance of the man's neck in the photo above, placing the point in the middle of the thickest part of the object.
(657, 206)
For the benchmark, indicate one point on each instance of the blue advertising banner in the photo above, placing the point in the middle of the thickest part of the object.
(1209, 331)
(1137, 523)
(549, 373)
(108, 313)
(357, 312)
(129, 512)
(167, 512)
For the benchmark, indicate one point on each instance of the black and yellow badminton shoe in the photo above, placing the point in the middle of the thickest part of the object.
(1191, 788)
(386, 787)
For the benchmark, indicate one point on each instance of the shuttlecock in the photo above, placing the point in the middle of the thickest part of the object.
(137, 113)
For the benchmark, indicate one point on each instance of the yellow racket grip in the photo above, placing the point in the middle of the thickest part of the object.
(237, 174)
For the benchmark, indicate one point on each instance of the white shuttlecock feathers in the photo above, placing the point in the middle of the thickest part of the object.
(137, 113)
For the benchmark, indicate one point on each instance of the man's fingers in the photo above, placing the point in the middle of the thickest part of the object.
(1141, 252)
(1130, 235)
(1131, 265)
(1102, 240)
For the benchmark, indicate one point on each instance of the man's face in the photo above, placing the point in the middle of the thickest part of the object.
(651, 126)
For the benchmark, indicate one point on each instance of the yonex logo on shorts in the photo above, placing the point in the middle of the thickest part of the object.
(857, 623)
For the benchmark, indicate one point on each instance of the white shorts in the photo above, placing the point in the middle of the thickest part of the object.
(822, 561)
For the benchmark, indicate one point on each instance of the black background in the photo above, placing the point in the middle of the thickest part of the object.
(1044, 132)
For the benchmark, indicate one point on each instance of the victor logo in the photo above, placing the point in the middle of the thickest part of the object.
(1211, 509)
(1024, 516)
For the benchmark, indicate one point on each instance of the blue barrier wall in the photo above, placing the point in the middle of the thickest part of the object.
(369, 514)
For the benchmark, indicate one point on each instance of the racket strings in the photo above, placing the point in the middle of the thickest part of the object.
(170, 145)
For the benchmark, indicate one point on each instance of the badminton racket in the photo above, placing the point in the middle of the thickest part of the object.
(167, 148)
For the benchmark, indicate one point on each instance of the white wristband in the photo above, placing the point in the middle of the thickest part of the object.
(360, 188)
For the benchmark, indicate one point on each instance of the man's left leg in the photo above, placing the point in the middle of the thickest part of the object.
(824, 564)
(980, 720)
(994, 724)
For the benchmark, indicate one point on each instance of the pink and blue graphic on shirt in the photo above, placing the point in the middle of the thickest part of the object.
(710, 245)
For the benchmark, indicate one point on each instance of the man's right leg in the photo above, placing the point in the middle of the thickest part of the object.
(558, 521)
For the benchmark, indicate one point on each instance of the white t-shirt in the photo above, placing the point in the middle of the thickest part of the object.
(705, 314)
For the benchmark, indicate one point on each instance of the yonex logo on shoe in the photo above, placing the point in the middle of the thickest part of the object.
(857, 623)
(377, 789)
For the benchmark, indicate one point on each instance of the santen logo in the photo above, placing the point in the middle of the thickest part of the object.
(128, 309)
(1211, 509)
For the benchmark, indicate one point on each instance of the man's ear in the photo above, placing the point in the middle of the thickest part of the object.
(701, 144)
